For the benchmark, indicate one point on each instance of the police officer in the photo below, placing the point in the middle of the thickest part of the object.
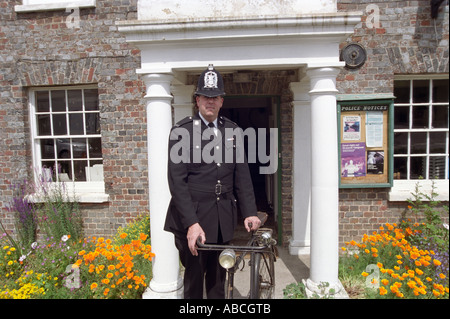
(206, 194)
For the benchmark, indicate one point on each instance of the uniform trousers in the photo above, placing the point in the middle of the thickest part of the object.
(202, 271)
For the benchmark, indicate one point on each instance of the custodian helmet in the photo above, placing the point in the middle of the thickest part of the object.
(210, 83)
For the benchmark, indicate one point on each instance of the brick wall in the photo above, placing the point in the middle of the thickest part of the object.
(406, 41)
(363, 211)
(41, 49)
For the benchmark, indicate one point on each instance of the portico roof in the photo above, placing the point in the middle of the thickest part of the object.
(233, 43)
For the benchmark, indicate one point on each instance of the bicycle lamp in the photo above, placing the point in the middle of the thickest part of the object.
(267, 238)
(227, 258)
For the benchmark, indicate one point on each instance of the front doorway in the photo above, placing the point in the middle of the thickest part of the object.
(259, 112)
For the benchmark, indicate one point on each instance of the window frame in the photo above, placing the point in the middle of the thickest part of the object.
(403, 188)
(84, 191)
(50, 5)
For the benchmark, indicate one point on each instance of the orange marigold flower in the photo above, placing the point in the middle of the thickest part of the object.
(411, 284)
(94, 285)
(123, 235)
(383, 291)
(414, 255)
(442, 276)
(436, 262)
(142, 236)
(364, 274)
(394, 289)
(129, 264)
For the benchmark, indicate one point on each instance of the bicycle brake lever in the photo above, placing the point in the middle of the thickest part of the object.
(250, 225)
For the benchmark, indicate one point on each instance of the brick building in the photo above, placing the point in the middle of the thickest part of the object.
(92, 60)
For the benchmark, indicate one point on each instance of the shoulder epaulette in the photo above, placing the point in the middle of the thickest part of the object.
(184, 121)
(226, 119)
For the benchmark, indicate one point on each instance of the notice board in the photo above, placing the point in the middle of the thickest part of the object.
(365, 143)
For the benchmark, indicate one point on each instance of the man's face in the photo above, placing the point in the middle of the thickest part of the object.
(209, 107)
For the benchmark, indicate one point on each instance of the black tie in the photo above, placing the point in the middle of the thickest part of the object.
(212, 126)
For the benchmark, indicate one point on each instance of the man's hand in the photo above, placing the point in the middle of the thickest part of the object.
(254, 221)
(195, 231)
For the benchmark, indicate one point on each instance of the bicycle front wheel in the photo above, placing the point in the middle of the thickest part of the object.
(262, 281)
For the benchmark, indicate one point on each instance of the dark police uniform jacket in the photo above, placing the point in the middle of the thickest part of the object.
(204, 191)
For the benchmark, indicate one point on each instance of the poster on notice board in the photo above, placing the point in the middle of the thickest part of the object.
(353, 159)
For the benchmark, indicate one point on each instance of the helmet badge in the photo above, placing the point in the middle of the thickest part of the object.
(210, 80)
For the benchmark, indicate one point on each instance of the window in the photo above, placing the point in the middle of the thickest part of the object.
(421, 130)
(66, 134)
(46, 5)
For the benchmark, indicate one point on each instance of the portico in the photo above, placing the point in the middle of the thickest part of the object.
(302, 35)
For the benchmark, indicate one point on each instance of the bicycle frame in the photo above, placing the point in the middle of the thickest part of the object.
(253, 247)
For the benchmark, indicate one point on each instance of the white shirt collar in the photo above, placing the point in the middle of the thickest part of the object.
(205, 121)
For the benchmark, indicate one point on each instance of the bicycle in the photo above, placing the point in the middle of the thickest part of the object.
(263, 254)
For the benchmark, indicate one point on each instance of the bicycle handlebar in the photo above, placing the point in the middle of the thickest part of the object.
(201, 246)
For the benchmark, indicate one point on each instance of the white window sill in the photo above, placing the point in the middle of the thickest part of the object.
(403, 189)
(81, 192)
(61, 5)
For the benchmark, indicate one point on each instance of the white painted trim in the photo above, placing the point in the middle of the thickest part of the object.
(335, 24)
(81, 192)
(403, 189)
(54, 5)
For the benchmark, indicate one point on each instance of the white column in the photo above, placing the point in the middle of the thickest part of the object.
(324, 180)
(300, 241)
(166, 281)
(183, 105)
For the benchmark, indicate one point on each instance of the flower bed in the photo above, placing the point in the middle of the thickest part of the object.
(84, 268)
(394, 268)
(406, 260)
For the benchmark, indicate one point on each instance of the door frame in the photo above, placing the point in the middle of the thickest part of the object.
(277, 196)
